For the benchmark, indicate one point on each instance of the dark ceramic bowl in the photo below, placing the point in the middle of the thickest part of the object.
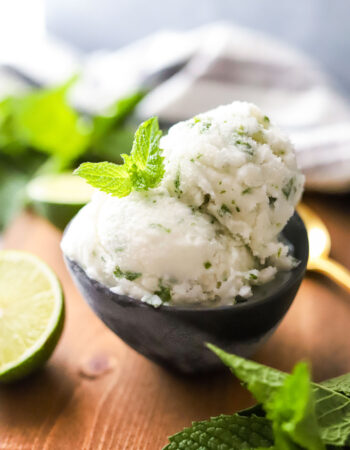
(174, 336)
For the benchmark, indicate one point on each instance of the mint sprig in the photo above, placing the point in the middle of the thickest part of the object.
(331, 406)
(291, 410)
(299, 413)
(143, 169)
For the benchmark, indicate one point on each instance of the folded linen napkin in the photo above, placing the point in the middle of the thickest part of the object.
(194, 71)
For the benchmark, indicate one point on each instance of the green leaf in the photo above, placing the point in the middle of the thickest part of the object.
(115, 117)
(332, 408)
(111, 136)
(110, 146)
(145, 163)
(339, 384)
(142, 169)
(107, 177)
(43, 120)
(224, 433)
(263, 380)
(291, 410)
(12, 195)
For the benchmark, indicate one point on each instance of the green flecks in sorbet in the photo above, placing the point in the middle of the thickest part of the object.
(289, 188)
(163, 292)
(203, 124)
(160, 227)
(177, 183)
(224, 210)
(259, 137)
(246, 147)
(207, 265)
(272, 201)
(127, 274)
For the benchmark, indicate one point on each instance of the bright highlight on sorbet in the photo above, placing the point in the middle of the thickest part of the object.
(208, 232)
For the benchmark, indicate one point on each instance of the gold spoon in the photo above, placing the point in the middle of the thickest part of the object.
(319, 248)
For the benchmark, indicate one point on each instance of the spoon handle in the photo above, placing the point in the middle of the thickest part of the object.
(334, 270)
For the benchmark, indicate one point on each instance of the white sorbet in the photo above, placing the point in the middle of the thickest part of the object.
(237, 166)
(209, 232)
(151, 246)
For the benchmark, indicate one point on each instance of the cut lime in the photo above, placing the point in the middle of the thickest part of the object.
(31, 314)
(58, 197)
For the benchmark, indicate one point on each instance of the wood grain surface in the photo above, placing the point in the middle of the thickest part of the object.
(97, 393)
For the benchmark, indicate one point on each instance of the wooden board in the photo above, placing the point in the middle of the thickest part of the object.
(97, 393)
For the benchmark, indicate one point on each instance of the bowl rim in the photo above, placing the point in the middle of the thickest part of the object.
(297, 273)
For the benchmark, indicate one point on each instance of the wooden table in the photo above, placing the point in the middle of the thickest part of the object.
(97, 393)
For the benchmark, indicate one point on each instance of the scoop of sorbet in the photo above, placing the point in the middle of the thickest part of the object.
(210, 231)
(235, 165)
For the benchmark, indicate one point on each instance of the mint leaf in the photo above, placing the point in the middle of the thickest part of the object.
(12, 195)
(339, 384)
(332, 408)
(115, 116)
(224, 433)
(291, 410)
(260, 379)
(107, 177)
(142, 169)
(145, 163)
(111, 135)
(43, 120)
(111, 145)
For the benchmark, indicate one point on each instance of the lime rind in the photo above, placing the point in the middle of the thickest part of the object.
(61, 189)
(58, 197)
(36, 355)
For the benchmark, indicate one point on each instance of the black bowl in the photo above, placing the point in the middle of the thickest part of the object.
(174, 336)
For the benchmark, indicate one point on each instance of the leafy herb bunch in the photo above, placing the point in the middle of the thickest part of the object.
(292, 413)
(41, 133)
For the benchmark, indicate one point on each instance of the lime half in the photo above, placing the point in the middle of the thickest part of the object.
(58, 197)
(31, 314)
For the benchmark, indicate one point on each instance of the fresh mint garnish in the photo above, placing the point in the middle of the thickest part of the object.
(332, 407)
(143, 169)
(291, 410)
(293, 413)
(40, 133)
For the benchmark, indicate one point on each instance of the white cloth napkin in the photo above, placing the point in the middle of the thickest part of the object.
(220, 63)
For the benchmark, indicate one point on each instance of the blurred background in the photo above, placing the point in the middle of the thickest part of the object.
(134, 59)
(318, 27)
